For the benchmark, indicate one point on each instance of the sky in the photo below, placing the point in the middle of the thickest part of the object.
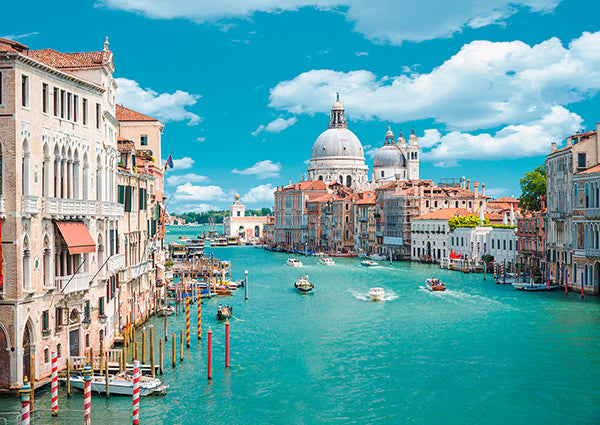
(244, 87)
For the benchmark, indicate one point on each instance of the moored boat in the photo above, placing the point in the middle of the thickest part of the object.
(326, 261)
(377, 257)
(294, 262)
(121, 384)
(303, 284)
(369, 263)
(343, 254)
(376, 294)
(434, 284)
(534, 287)
(166, 311)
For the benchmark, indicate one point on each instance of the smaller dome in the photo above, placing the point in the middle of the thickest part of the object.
(389, 156)
(401, 141)
(337, 106)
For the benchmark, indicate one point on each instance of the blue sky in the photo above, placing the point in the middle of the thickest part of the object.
(245, 87)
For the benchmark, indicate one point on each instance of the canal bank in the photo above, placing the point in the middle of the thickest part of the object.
(477, 353)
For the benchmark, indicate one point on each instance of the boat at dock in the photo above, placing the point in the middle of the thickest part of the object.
(534, 287)
(326, 261)
(434, 284)
(166, 311)
(369, 263)
(303, 285)
(294, 262)
(376, 294)
(377, 257)
(510, 278)
(121, 384)
(343, 254)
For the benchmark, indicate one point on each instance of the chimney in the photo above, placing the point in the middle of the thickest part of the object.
(476, 187)
(569, 142)
(553, 146)
(468, 184)
(482, 189)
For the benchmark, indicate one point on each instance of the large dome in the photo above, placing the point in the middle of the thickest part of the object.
(337, 142)
(389, 156)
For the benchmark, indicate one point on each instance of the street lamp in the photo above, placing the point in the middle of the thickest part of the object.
(246, 284)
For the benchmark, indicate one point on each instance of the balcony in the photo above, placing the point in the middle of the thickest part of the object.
(592, 213)
(59, 207)
(115, 263)
(30, 205)
(117, 210)
(592, 253)
(133, 272)
(557, 215)
(73, 283)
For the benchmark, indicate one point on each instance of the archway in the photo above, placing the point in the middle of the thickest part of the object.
(596, 275)
(27, 351)
(428, 249)
(348, 181)
(4, 359)
(256, 231)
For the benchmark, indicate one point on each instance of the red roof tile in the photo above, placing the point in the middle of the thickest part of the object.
(7, 45)
(69, 60)
(594, 169)
(444, 214)
(505, 199)
(126, 114)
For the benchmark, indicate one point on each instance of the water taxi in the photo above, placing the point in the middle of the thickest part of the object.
(369, 263)
(294, 262)
(434, 284)
(326, 261)
(303, 285)
(221, 242)
(531, 287)
(121, 384)
(376, 294)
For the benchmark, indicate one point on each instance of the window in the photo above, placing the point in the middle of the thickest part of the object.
(69, 106)
(58, 350)
(98, 115)
(55, 97)
(1, 86)
(101, 306)
(62, 103)
(45, 98)
(86, 311)
(58, 318)
(75, 107)
(580, 159)
(84, 112)
(24, 90)
(45, 323)
(504, 244)
(144, 140)
(46, 355)
(238, 213)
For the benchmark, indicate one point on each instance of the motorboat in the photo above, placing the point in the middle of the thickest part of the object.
(376, 294)
(294, 262)
(510, 278)
(377, 257)
(303, 284)
(224, 312)
(434, 284)
(121, 384)
(536, 287)
(326, 261)
(166, 311)
(369, 263)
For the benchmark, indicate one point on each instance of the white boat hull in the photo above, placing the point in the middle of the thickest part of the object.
(120, 386)
(376, 294)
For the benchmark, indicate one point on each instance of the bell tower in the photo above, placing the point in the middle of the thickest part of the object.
(413, 157)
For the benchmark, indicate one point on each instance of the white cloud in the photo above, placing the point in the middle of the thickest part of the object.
(263, 169)
(262, 194)
(377, 21)
(201, 139)
(163, 106)
(190, 177)
(361, 53)
(183, 163)
(276, 126)
(16, 37)
(179, 208)
(189, 192)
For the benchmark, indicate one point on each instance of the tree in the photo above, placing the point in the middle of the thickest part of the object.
(532, 186)
(467, 221)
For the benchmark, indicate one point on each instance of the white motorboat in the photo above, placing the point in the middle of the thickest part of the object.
(369, 263)
(121, 384)
(166, 311)
(377, 257)
(376, 294)
(521, 286)
(327, 261)
(294, 262)
(303, 284)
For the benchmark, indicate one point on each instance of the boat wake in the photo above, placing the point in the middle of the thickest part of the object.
(456, 296)
(389, 296)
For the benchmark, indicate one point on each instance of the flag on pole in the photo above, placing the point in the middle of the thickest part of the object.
(169, 163)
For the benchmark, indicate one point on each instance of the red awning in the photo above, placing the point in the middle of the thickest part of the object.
(76, 236)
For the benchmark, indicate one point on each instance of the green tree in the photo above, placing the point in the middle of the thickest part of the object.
(532, 186)
(467, 221)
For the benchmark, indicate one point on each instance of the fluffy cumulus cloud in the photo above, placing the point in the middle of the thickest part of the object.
(262, 194)
(510, 87)
(188, 192)
(179, 208)
(186, 178)
(276, 126)
(262, 169)
(183, 163)
(377, 21)
(163, 106)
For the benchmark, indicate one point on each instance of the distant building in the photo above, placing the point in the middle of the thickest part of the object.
(429, 234)
(238, 225)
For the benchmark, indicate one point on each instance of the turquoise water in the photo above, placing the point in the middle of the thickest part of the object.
(478, 353)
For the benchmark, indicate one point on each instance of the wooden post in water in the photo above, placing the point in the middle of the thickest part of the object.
(152, 351)
(484, 270)
(143, 346)
(165, 324)
(101, 359)
(245, 284)
(122, 360)
(32, 372)
(173, 345)
(135, 351)
(160, 355)
(68, 379)
(199, 317)
(133, 341)
(181, 347)
(106, 376)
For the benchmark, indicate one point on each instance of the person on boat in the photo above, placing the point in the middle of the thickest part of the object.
(220, 308)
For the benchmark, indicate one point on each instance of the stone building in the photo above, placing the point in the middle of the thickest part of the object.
(249, 228)
(364, 223)
(429, 234)
(58, 207)
(531, 242)
(396, 160)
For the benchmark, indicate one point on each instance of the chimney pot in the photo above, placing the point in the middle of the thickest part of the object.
(553, 146)
(482, 189)
(476, 187)
(569, 142)
(468, 184)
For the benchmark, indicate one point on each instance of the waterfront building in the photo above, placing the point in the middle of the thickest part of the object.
(337, 154)
(364, 231)
(236, 224)
(474, 242)
(396, 161)
(531, 241)
(582, 152)
(58, 207)
(316, 207)
(586, 230)
(430, 234)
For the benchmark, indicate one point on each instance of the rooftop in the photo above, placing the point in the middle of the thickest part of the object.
(126, 114)
(444, 214)
(60, 60)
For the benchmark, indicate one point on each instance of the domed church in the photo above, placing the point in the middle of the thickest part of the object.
(396, 159)
(337, 155)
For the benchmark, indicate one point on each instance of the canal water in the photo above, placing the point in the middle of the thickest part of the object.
(478, 353)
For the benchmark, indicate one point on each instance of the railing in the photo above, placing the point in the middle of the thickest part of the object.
(117, 210)
(592, 212)
(2, 204)
(30, 204)
(137, 270)
(73, 283)
(363, 218)
(592, 253)
(116, 263)
(63, 206)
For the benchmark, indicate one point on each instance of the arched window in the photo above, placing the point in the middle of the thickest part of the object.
(26, 264)
(46, 171)
(59, 350)
(87, 340)
(25, 169)
(321, 178)
(348, 181)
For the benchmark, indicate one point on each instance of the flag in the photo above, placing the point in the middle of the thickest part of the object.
(169, 163)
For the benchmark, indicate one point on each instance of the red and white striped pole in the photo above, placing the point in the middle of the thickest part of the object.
(87, 394)
(495, 269)
(25, 392)
(187, 321)
(227, 343)
(54, 384)
(209, 344)
(136, 392)
(581, 285)
(199, 317)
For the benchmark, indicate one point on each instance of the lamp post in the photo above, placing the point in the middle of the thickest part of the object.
(246, 283)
